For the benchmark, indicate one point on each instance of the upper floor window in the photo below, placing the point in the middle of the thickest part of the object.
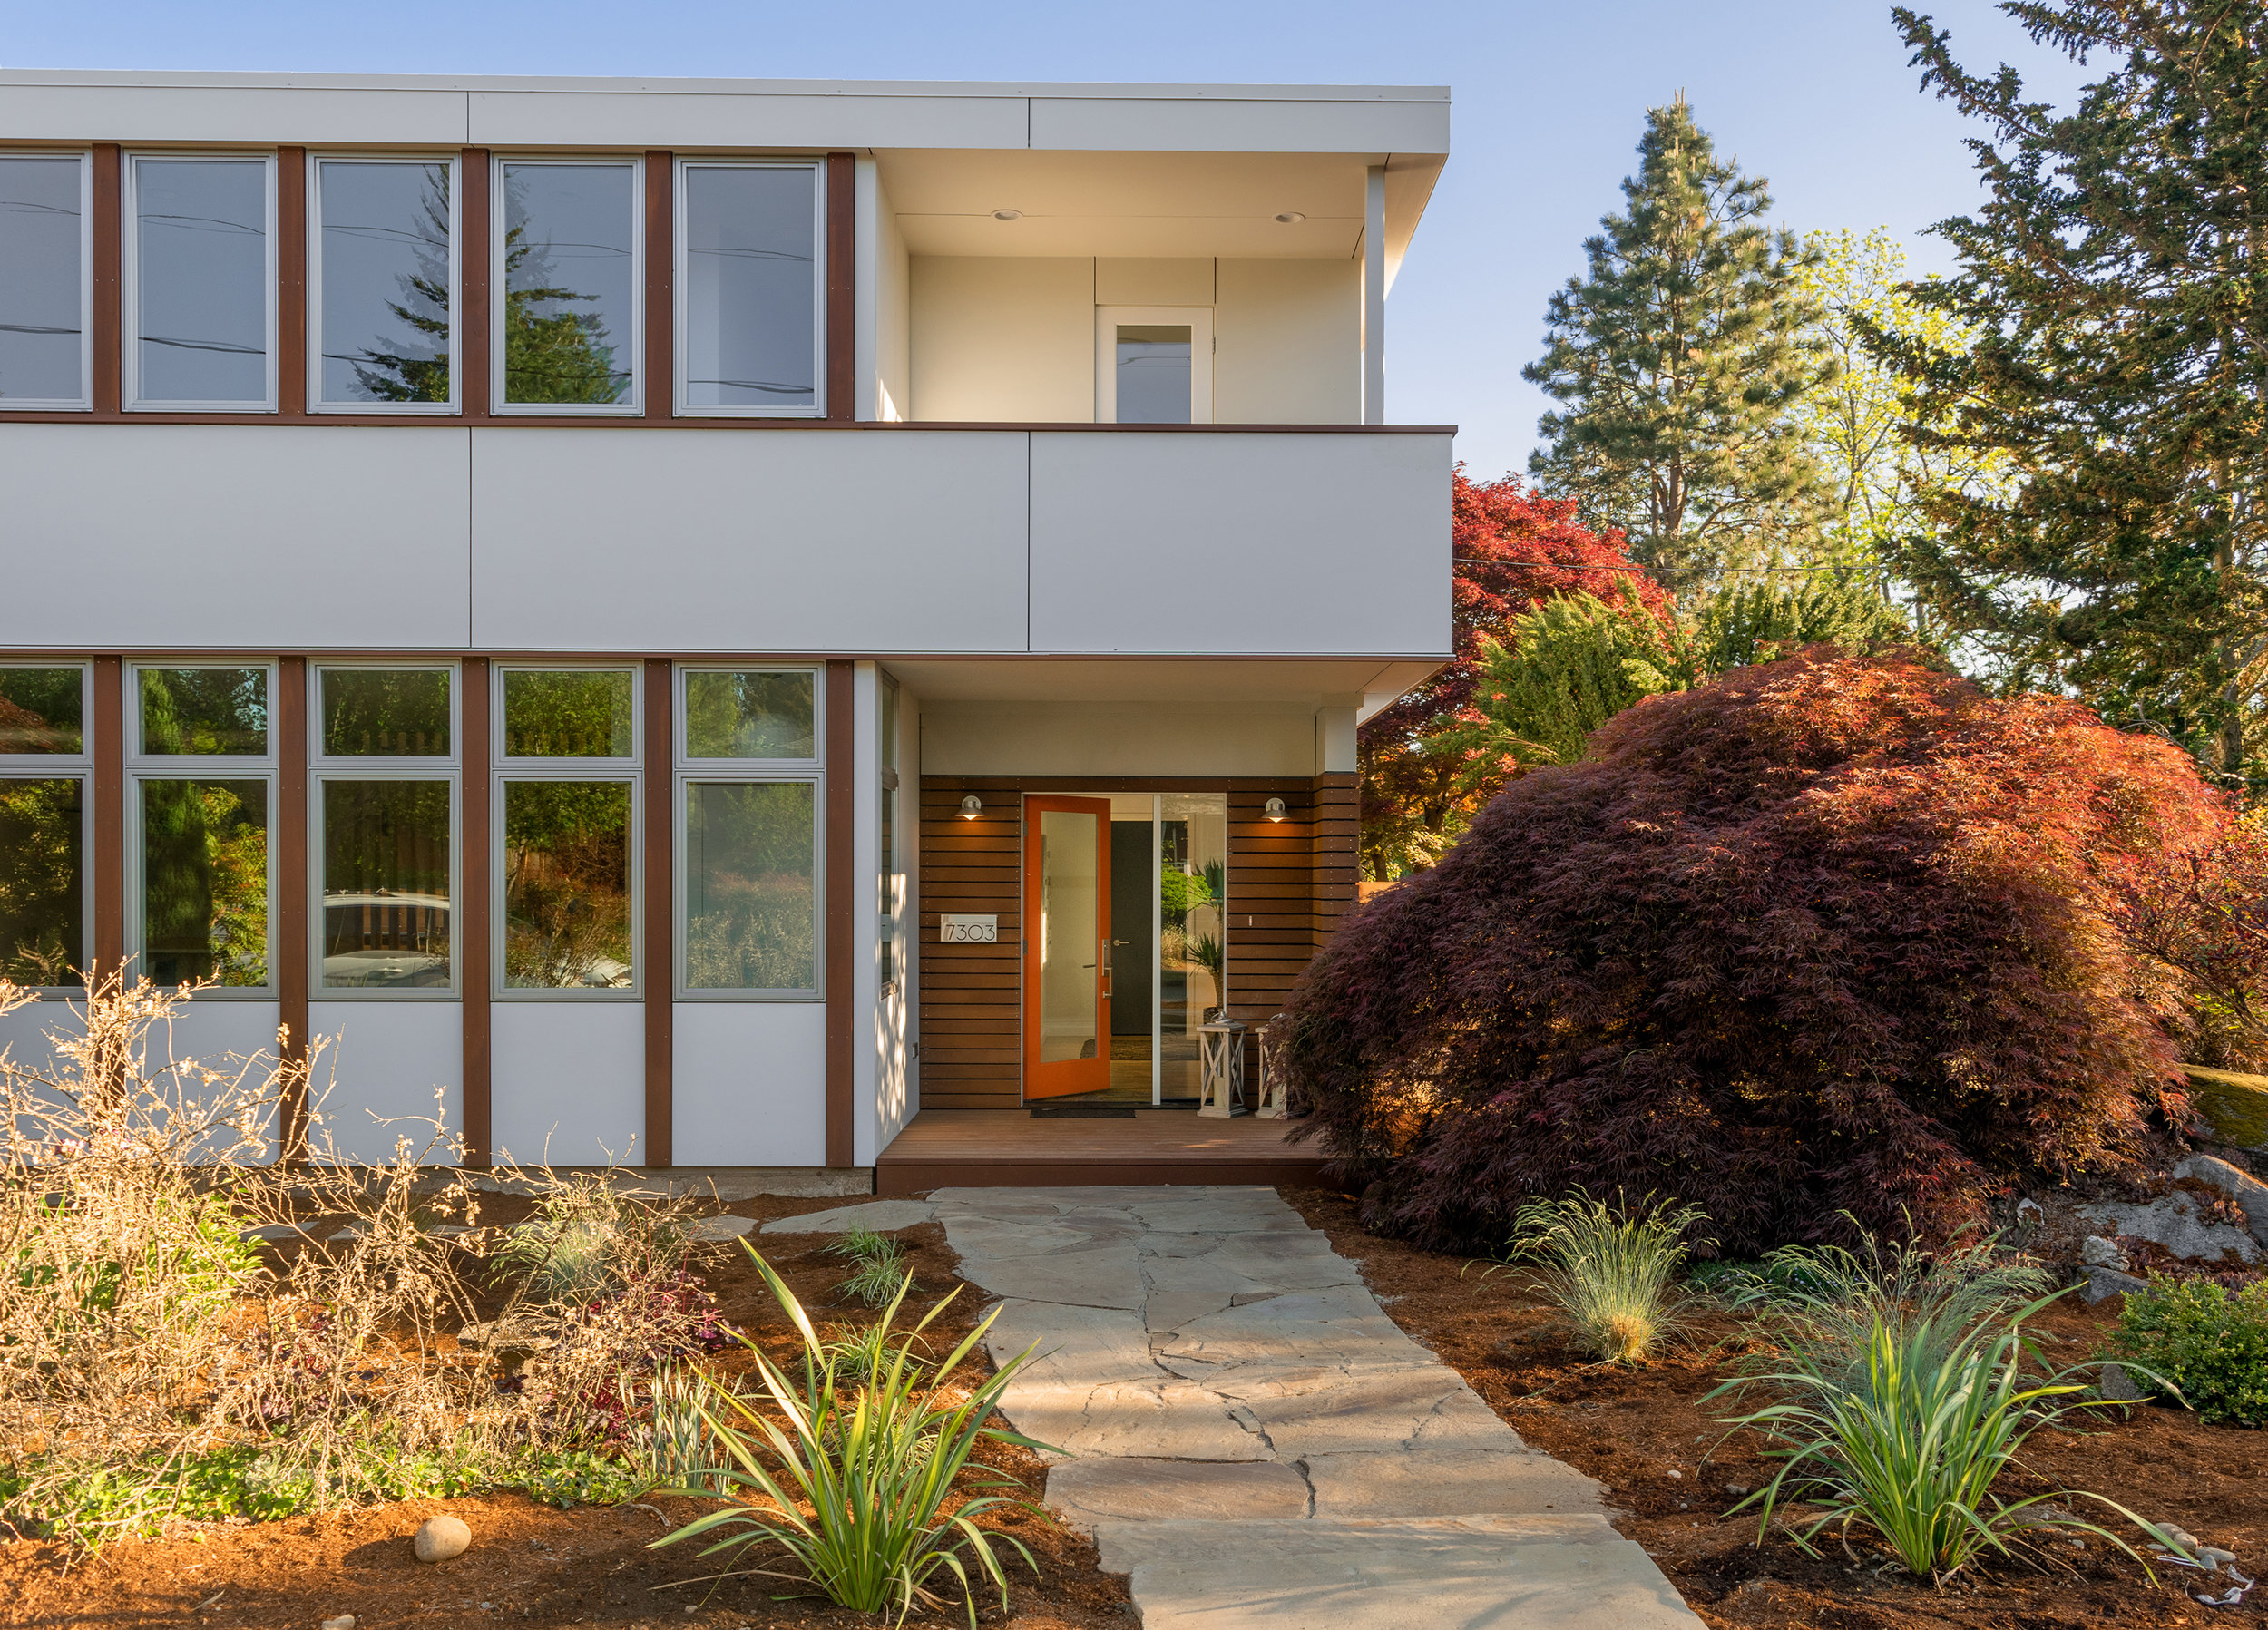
(748, 292)
(383, 272)
(200, 272)
(568, 275)
(1154, 365)
(44, 285)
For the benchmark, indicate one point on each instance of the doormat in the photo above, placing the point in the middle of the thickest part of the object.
(1081, 1112)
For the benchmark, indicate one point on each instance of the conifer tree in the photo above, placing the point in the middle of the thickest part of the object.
(2115, 279)
(1678, 359)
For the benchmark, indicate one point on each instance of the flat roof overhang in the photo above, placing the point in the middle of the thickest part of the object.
(1367, 683)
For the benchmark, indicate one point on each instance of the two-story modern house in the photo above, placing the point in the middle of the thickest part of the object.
(697, 619)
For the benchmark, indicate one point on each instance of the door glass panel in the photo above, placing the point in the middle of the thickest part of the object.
(1192, 952)
(1153, 373)
(1069, 918)
(1133, 946)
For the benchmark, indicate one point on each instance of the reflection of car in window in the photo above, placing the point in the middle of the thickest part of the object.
(384, 939)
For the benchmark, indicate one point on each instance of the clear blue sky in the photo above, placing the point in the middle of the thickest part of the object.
(1549, 98)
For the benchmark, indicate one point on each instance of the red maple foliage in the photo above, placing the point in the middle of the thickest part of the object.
(1514, 548)
(1828, 934)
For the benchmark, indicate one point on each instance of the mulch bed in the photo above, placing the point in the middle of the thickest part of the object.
(531, 1564)
(1646, 1435)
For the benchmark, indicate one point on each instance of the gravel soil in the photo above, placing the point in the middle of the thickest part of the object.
(532, 1564)
(1671, 1475)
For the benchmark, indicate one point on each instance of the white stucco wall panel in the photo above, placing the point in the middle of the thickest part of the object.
(258, 115)
(229, 1038)
(383, 1067)
(806, 123)
(567, 1082)
(1258, 545)
(749, 1083)
(1288, 342)
(234, 536)
(1003, 338)
(743, 540)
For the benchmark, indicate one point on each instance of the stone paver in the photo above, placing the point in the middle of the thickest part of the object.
(876, 1217)
(1245, 1432)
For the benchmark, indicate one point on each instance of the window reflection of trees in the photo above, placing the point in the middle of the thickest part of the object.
(749, 895)
(378, 713)
(567, 904)
(204, 870)
(414, 369)
(43, 826)
(553, 354)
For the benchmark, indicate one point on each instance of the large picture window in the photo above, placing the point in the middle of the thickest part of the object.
(383, 274)
(44, 289)
(202, 280)
(749, 289)
(567, 830)
(44, 769)
(385, 804)
(204, 787)
(568, 275)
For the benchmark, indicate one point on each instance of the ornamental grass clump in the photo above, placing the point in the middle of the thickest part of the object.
(1611, 1270)
(865, 1485)
(1899, 1422)
(878, 1264)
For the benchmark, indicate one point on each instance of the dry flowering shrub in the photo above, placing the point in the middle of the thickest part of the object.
(154, 1363)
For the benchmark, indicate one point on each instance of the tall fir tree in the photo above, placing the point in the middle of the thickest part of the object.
(1678, 360)
(2115, 280)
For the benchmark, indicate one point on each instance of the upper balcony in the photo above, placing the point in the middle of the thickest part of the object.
(400, 257)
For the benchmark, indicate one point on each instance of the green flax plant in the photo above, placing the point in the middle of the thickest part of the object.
(878, 1264)
(863, 1469)
(1905, 1390)
(1610, 1269)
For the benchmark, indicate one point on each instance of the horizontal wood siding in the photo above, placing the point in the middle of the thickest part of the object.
(1289, 883)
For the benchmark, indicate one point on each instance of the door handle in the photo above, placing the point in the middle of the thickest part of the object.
(1105, 954)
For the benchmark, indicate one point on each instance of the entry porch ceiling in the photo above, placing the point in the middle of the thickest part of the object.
(1370, 683)
(1165, 205)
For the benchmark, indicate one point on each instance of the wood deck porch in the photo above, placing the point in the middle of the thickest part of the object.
(987, 1149)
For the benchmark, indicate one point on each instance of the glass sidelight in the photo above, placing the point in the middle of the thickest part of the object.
(1067, 946)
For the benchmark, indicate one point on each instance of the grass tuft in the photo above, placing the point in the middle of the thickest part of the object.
(1611, 1270)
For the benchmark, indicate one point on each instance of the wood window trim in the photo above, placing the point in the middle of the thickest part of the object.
(291, 281)
(841, 914)
(106, 725)
(474, 172)
(472, 909)
(108, 251)
(660, 910)
(289, 958)
(661, 387)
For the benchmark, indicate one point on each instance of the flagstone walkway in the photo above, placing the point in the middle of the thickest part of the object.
(1251, 1439)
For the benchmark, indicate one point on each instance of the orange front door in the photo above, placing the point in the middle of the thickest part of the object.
(1066, 946)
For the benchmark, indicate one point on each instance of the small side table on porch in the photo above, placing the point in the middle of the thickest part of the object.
(1272, 1095)
(1221, 1048)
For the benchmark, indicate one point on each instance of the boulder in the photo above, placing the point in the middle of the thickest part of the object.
(2249, 1192)
(2176, 1221)
(2116, 1385)
(441, 1537)
(2102, 1283)
(2100, 1253)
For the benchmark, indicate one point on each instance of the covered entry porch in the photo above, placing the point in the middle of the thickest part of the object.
(990, 1148)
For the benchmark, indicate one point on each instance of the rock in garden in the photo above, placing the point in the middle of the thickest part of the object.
(441, 1538)
(2176, 1221)
(719, 1227)
(2249, 1192)
(2099, 1253)
(2118, 1386)
(2102, 1283)
(345, 1621)
(881, 1217)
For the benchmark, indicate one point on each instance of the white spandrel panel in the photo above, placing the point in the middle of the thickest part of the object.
(680, 119)
(802, 540)
(749, 1083)
(567, 1082)
(234, 536)
(1259, 544)
(232, 1040)
(377, 1080)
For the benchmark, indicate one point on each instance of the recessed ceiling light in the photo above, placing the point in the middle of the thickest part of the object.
(1008, 215)
(1291, 218)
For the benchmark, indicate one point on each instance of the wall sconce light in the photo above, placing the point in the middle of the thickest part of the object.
(971, 806)
(1274, 809)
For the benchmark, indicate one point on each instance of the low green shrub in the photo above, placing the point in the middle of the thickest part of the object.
(851, 1479)
(1611, 1270)
(2210, 1344)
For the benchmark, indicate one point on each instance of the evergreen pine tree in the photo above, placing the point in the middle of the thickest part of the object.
(1678, 360)
(2115, 279)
